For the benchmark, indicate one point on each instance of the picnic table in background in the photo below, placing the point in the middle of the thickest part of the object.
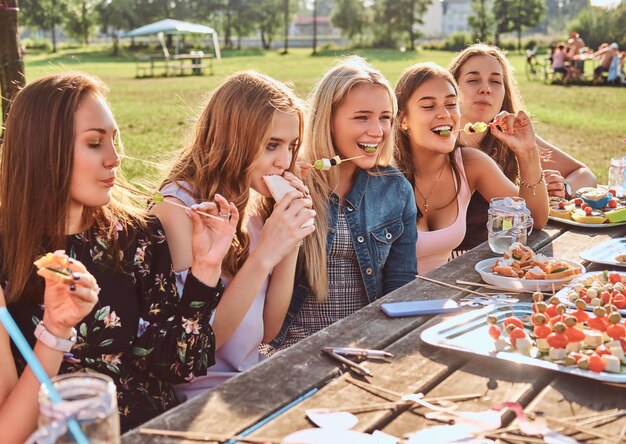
(176, 65)
(269, 400)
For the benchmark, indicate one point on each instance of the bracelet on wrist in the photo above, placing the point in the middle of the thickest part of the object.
(533, 186)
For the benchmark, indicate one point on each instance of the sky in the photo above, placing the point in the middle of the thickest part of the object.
(605, 2)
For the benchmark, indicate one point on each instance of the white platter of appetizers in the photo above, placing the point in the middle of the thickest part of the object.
(469, 332)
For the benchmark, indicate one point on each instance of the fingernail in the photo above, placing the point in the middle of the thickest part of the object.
(72, 287)
(219, 195)
(70, 261)
(76, 276)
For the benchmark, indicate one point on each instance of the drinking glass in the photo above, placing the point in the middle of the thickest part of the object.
(617, 174)
(508, 222)
(90, 398)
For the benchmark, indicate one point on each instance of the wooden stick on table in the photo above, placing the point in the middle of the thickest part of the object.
(445, 284)
(207, 437)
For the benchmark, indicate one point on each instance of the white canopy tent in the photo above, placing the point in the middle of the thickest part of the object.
(175, 27)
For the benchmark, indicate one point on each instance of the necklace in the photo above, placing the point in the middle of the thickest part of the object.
(426, 204)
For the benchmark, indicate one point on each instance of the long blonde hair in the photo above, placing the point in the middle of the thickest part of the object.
(230, 134)
(36, 168)
(512, 102)
(329, 93)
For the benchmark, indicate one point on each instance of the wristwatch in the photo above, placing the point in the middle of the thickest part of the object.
(52, 341)
(568, 190)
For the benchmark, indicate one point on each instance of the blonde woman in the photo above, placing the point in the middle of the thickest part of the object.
(364, 245)
(443, 174)
(251, 127)
(487, 87)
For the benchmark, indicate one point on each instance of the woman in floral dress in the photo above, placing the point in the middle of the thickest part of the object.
(61, 188)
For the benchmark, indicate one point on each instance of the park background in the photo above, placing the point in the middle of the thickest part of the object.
(155, 114)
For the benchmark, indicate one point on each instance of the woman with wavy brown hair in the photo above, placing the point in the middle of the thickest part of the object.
(443, 174)
(61, 188)
(251, 127)
(487, 86)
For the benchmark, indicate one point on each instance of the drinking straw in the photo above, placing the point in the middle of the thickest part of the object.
(20, 342)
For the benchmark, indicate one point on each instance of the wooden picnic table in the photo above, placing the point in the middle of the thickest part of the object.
(175, 65)
(302, 377)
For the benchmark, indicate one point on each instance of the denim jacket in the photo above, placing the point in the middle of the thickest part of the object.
(381, 215)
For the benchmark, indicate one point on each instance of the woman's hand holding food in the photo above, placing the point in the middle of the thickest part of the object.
(516, 131)
(67, 299)
(284, 230)
(211, 237)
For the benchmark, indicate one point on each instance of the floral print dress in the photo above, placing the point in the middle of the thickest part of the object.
(140, 333)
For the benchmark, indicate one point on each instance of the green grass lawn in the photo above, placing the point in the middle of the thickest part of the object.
(154, 114)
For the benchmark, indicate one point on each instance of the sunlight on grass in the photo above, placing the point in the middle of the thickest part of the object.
(154, 114)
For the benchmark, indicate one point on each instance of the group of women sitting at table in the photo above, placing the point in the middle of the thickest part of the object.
(176, 297)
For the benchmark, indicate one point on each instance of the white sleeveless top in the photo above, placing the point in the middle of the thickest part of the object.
(241, 351)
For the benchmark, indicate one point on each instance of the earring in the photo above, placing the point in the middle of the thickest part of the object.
(404, 127)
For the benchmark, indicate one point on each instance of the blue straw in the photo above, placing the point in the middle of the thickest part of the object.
(20, 341)
(273, 416)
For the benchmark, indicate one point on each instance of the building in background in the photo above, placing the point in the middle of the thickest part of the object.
(455, 15)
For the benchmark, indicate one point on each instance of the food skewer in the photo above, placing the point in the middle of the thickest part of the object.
(493, 287)
(455, 287)
(211, 437)
(325, 164)
(358, 368)
(159, 198)
(469, 128)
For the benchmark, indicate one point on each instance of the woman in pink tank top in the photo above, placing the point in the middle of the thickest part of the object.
(444, 175)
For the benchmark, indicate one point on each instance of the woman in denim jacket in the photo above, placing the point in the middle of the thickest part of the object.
(364, 245)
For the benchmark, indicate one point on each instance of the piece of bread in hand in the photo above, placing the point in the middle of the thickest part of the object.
(54, 266)
(279, 186)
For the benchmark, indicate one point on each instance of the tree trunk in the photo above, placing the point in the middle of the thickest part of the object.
(54, 37)
(411, 32)
(116, 42)
(11, 63)
(286, 7)
(227, 39)
(314, 27)
(519, 39)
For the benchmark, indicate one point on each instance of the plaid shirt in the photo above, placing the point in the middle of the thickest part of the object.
(346, 289)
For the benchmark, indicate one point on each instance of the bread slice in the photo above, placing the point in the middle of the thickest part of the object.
(54, 266)
(279, 186)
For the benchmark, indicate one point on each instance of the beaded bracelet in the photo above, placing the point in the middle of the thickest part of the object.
(527, 185)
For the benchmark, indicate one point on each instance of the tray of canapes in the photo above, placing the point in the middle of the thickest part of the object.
(520, 268)
(611, 252)
(541, 334)
(604, 289)
(592, 207)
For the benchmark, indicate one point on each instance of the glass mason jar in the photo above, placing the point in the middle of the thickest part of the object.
(508, 222)
(90, 398)
(617, 174)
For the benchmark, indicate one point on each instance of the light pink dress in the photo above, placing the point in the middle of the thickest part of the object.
(241, 351)
(433, 248)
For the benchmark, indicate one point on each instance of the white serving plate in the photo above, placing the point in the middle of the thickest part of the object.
(606, 252)
(484, 269)
(580, 224)
(562, 293)
(468, 332)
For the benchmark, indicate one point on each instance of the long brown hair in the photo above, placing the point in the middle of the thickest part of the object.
(35, 175)
(512, 102)
(410, 80)
(230, 134)
(329, 94)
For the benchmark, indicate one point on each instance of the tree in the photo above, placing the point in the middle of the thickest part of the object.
(81, 20)
(11, 63)
(412, 12)
(268, 13)
(514, 15)
(116, 15)
(351, 16)
(386, 16)
(45, 15)
(481, 21)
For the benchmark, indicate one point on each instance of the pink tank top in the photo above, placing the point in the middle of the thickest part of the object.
(433, 248)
